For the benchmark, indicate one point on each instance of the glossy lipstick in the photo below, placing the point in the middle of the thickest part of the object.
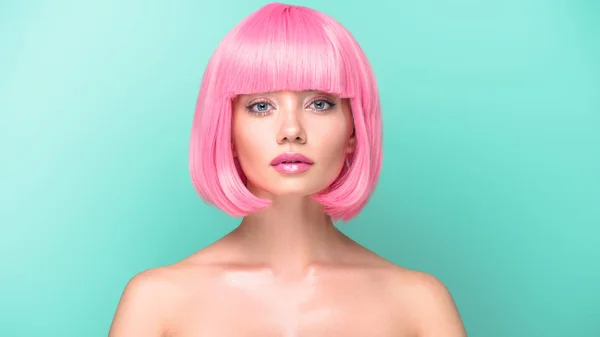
(291, 163)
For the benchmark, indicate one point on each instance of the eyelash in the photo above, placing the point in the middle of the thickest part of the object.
(263, 113)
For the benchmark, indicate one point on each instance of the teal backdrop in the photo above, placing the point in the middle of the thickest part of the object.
(491, 176)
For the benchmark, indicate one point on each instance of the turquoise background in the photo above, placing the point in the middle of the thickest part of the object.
(491, 176)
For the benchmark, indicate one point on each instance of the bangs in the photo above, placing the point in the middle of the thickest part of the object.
(284, 49)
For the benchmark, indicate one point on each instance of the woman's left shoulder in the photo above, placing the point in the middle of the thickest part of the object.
(417, 280)
(428, 300)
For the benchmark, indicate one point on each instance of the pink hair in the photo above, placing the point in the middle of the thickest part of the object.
(285, 47)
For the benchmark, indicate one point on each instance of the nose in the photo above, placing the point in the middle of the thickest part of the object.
(291, 129)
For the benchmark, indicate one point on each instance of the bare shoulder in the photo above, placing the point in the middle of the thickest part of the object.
(147, 302)
(421, 303)
(429, 302)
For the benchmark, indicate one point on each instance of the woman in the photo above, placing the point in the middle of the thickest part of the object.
(287, 134)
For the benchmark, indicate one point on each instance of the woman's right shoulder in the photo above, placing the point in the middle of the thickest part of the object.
(144, 306)
(151, 298)
(173, 278)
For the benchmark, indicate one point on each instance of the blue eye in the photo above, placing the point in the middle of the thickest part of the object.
(259, 108)
(263, 107)
(321, 105)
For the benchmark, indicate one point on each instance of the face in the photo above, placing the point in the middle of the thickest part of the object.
(290, 142)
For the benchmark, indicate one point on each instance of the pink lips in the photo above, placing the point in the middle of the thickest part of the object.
(291, 163)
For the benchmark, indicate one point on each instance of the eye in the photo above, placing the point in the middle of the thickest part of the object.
(321, 105)
(259, 108)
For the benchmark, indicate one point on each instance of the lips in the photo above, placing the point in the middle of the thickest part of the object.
(291, 163)
(290, 158)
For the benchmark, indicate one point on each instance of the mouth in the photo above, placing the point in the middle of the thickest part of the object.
(291, 158)
(291, 163)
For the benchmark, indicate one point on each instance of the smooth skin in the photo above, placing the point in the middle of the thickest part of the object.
(287, 271)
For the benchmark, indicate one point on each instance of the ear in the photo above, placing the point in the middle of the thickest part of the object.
(351, 147)
(233, 150)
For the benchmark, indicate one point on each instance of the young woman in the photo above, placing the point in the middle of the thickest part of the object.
(287, 134)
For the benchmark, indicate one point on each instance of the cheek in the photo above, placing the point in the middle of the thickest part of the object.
(249, 142)
(332, 137)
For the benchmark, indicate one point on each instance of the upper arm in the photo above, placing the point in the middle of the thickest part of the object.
(140, 311)
(437, 314)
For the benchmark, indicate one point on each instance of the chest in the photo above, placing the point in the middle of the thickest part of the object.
(304, 313)
(326, 320)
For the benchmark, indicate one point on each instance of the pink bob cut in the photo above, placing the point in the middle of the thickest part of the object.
(295, 48)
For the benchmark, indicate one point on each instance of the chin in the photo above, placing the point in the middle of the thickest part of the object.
(302, 185)
(297, 188)
(293, 191)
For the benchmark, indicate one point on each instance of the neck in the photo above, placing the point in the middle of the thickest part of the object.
(290, 235)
